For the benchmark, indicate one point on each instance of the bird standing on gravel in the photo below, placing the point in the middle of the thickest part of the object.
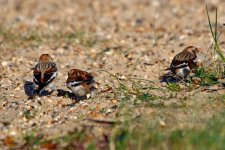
(44, 72)
(81, 83)
(184, 62)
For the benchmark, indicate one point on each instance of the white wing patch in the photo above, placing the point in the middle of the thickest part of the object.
(53, 76)
(35, 79)
(195, 60)
(180, 65)
(74, 83)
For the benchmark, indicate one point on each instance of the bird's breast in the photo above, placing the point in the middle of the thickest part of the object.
(183, 72)
(79, 90)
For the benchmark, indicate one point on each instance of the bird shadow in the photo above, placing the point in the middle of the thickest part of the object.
(169, 78)
(68, 94)
(29, 89)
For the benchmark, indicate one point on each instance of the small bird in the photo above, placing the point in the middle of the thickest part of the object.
(44, 72)
(185, 62)
(81, 83)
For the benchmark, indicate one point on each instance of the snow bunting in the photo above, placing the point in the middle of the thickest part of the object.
(185, 62)
(81, 83)
(44, 72)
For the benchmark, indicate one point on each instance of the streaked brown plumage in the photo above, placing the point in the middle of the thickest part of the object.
(80, 82)
(45, 58)
(44, 72)
(185, 62)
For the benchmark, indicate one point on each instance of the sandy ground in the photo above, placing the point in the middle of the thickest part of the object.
(136, 38)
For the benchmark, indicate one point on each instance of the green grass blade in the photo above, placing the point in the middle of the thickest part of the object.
(215, 32)
(214, 35)
(210, 24)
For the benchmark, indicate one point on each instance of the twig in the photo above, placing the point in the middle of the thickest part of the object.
(101, 121)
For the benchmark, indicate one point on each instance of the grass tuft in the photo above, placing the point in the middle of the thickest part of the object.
(206, 78)
(215, 34)
(210, 74)
(33, 38)
(135, 89)
(174, 87)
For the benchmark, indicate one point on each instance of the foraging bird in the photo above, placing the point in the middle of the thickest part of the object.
(81, 83)
(185, 62)
(44, 72)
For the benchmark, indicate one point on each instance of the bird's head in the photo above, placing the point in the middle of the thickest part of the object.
(45, 58)
(193, 49)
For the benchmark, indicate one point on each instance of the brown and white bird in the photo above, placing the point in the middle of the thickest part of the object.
(81, 83)
(44, 72)
(185, 62)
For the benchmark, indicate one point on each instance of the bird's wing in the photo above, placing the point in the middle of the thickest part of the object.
(184, 57)
(80, 77)
(49, 70)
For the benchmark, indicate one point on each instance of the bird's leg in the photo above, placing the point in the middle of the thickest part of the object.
(94, 89)
(93, 92)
